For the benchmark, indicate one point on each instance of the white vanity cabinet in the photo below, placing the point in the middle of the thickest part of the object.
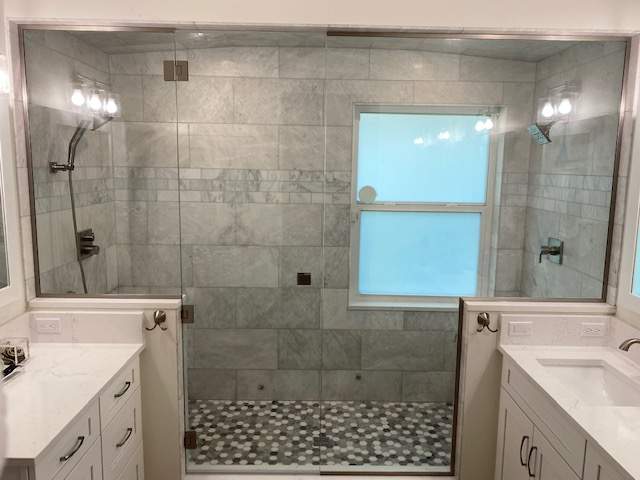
(598, 467)
(515, 440)
(103, 442)
(537, 440)
(523, 451)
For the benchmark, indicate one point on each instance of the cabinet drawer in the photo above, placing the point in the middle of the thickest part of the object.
(119, 390)
(599, 467)
(90, 466)
(121, 437)
(135, 467)
(558, 430)
(67, 450)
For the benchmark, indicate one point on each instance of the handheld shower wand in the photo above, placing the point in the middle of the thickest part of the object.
(80, 237)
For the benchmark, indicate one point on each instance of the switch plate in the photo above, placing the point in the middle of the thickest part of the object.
(592, 329)
(520, 329)
(51, 325)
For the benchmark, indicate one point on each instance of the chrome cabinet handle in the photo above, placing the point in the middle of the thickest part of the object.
(125, 438)
(522, 460)
(123, 391)
(74, 450)
(532, 475)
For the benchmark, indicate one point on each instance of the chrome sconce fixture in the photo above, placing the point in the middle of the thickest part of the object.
(94, 99)
(488, 123)
(555, 107)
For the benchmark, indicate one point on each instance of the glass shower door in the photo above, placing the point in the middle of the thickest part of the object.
(251, 215)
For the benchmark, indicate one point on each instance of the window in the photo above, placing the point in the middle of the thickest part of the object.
(628, 292)
(420, 202)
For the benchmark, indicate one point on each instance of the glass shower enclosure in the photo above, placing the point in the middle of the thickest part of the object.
(267, 177)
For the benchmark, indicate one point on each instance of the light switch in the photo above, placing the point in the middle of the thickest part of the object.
(520, 329)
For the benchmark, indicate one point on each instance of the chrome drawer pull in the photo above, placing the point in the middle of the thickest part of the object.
(123, 391)
(524, 439)
(74, 450)
(535, 466)
(125, 439)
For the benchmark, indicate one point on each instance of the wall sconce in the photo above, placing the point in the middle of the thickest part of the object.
(556, 107)
(94, 99)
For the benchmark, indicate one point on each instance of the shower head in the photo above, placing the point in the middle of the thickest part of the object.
(103, 121)
(541, 132)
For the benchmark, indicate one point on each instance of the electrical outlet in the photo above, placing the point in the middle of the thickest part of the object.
(592, 329)
(51, 325)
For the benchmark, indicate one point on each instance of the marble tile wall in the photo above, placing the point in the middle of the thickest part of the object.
(570, 180)
(263, 139)
(230, 184)
(53, 58)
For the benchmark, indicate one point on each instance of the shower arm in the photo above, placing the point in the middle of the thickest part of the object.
(73, 145)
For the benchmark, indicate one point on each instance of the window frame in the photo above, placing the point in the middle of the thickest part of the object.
(12, 296)
(417, 302)
(626, 300)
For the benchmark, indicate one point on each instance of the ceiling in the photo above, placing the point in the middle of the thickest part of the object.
(140, 41)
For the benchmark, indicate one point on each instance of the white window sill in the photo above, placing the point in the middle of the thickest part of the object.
(405, 306)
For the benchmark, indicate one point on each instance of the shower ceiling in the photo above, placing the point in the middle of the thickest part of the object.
(508, 49)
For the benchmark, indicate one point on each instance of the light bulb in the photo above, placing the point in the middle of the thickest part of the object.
(488, 124)
(479, 126)
(565, 107)
(111, 106)
(77, 98)
(547, 110)
(94, 102)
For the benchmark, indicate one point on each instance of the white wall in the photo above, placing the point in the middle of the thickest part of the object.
(561, 15)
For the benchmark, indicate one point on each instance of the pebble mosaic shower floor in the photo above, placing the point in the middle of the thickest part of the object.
(271, 434)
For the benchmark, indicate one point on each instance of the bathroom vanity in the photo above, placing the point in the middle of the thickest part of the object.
(568, 412)
(74, 413)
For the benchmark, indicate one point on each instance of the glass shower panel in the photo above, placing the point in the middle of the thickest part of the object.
(251, 184)
(104, 141)
(388, 376)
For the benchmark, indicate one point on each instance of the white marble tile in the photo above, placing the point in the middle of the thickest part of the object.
(234, 61)
(474, 93)
(301, 62)
(413, 65)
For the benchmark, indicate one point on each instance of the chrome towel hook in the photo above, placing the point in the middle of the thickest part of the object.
(159, 320)
(484, 321)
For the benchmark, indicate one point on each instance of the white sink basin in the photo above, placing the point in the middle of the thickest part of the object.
(594, 382)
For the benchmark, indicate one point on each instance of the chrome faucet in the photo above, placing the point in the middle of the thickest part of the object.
(626, 345)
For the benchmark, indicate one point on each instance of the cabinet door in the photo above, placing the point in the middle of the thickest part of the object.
(547, 463)
(516, 435)
(597, 467)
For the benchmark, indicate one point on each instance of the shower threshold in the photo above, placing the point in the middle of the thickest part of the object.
(306, 436)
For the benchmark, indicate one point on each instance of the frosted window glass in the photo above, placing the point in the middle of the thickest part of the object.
(636, 270)
(423, 157)
(419, 253)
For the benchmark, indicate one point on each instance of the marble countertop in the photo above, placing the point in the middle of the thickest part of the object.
(614, 428)
(56, 384)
